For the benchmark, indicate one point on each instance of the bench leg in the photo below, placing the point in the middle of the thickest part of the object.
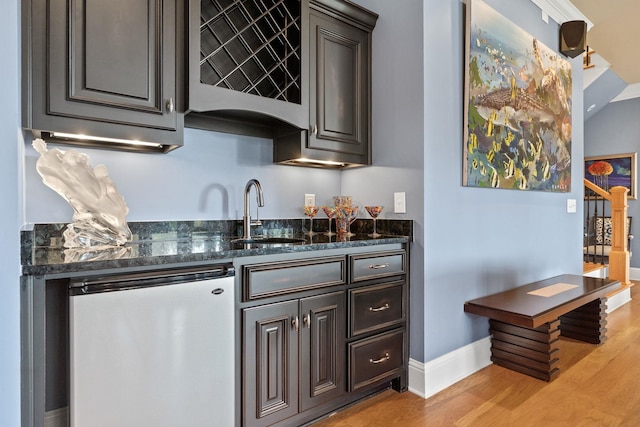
(533, 352)
(587, 323)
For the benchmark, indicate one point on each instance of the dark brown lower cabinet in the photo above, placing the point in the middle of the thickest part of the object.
(322, 341)
(374, 359)
(293, 357)
(270, 363)
(322, 332)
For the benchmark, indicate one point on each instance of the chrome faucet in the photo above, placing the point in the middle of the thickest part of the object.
(246, 219)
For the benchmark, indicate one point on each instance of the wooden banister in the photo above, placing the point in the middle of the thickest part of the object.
(598, 190)
(619, 258)
(619, 263)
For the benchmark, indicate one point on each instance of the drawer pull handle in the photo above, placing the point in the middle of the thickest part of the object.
(378, 266)
(381, 308)
(382, 359)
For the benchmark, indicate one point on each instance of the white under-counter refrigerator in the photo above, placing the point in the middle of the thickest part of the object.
(153, 349)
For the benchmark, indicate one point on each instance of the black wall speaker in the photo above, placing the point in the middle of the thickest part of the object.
(573, 38)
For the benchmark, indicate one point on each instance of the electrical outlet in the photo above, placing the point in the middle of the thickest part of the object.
(309, 199)
(399, 202)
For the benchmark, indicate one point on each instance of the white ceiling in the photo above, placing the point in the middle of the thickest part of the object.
(612, 35)
(615, 34)
(613, 29)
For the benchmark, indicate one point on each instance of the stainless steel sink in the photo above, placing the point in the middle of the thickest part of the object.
(267, 240)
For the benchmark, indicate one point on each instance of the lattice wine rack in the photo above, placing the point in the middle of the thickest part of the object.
(252, 46)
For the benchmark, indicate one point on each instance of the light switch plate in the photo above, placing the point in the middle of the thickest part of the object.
(399, 202)
(309, 199)
(572, 206)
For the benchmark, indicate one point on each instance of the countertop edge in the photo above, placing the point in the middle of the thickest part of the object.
(193, 258)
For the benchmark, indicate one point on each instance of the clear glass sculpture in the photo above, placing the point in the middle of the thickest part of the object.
(100, 211)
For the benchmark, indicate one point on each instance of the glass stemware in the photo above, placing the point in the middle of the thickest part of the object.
(374, 211)
(311, 211)
(330, 212)
(353, 215)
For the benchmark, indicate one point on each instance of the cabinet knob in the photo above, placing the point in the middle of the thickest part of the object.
(306, 321)
(170, 105)
(314, 129)
(295, 323)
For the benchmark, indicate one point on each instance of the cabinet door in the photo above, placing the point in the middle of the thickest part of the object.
(112, 61)
(270, 364)
(322, 349)
(340, 86)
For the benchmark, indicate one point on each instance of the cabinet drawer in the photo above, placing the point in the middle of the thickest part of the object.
(279, 278)
(376, 265)
(376, 359)
(376, 307)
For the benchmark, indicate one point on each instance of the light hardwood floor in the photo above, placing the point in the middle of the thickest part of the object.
(597, 386)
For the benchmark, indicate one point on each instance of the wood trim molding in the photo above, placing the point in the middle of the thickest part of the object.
(562, 11)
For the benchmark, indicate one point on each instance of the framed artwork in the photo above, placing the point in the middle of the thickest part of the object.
(517, 131)
(611, 171)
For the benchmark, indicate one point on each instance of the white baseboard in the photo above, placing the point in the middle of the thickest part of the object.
(634, 273)
(427, 379)
(618, 300)
(621, 298)
(600, 273)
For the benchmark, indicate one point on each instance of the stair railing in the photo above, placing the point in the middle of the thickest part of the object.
(595, 205)
(619, 257)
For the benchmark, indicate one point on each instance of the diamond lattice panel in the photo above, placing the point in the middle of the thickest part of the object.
(252, 46)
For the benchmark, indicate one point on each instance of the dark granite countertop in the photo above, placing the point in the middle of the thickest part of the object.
(175, 242)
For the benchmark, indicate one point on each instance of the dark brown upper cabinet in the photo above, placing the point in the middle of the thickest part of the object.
(103, 68)
(339, 130)
(297, 71)
(248, 63)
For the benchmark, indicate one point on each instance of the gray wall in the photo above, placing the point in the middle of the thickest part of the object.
(481, 241)
(9, 216)
(202, 180)
(606, 87)
(398, 134)
(614, 130)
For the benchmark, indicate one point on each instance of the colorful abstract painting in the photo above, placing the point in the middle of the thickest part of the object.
(612, 171)
(517, 107)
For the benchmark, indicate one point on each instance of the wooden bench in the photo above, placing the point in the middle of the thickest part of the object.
(526, 322)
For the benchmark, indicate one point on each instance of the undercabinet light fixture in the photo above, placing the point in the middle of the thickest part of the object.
(79, 137)
(321, 162)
